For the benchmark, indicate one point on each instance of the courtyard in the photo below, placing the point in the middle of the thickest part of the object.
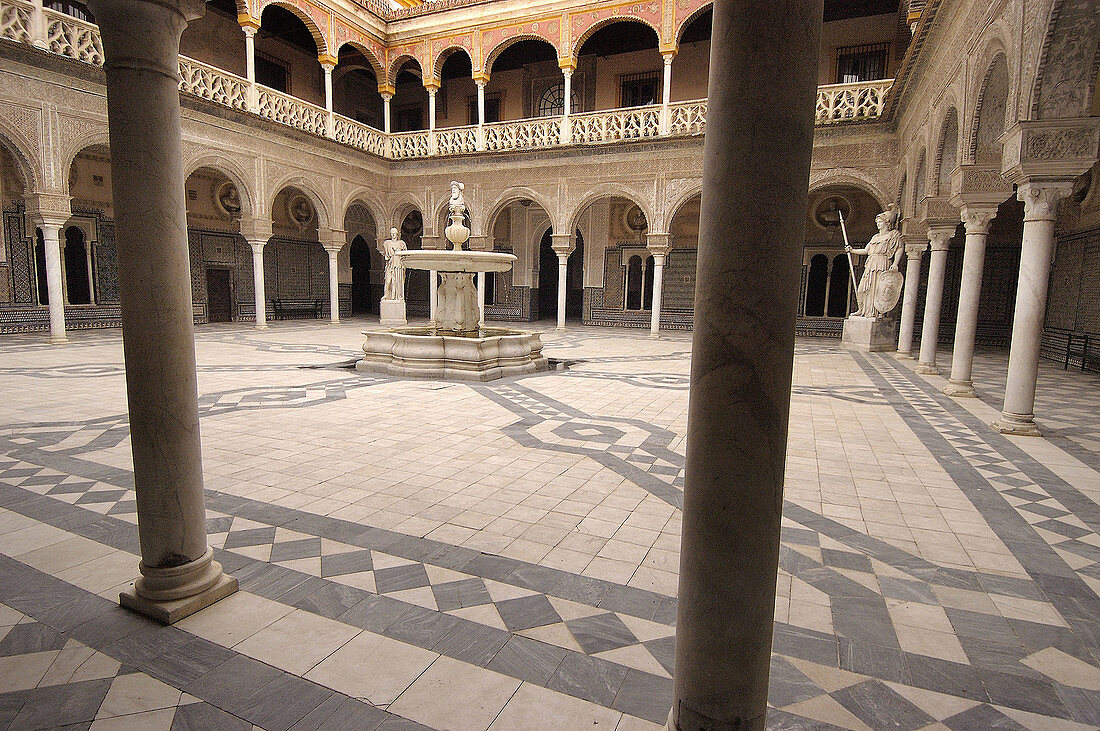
(422, 554)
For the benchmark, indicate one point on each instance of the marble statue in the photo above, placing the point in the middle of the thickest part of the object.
(880, 286)
(394, 277)
(458, 201)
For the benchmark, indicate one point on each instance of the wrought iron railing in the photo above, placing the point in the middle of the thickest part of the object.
(22, 22)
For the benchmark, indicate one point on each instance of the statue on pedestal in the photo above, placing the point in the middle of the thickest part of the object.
(394, 277)
(392, 307)
(879, 288)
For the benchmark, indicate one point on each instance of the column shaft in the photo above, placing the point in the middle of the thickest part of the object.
(386, 113)
(909, 302)
(933, 301)
(1040, 202)
(330, 121)
(51, 242)
(333, 286)
(258, 283)
(742, 356)
(141, 45)
(250, 66)
(658, 279)
(966, 322)
(433, 297)
(481, 298)
(666, 94)
(563, 275)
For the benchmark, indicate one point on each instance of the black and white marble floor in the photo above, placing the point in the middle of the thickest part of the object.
(422, 554)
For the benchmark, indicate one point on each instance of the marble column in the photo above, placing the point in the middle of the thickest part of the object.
(141, 49)
(250, 29)
(258, 282)
(51, 242)
(432, 90)
(481, 82)
(330, 120)
(913, 254)
(567, 102)
(658, 245)
(742, 357)
(387, 95)
(939, 238)
(563, 245)
(333, 251)
(433, 297)
(976, 219)
(481, 298)
(1040, 201)
(666, 92)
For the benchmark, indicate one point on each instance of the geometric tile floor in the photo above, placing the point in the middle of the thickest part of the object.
(417, 554)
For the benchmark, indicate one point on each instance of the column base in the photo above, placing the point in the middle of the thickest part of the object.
(1020, 425)
(173, 610)
(58, 340)
(333, 322)
(960, 389)
(655, 336)
(903, 356)
(262, 327)
(560, 328)
(928, 369)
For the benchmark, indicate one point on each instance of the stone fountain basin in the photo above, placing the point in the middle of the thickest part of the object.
(417, 352)
(440, 260)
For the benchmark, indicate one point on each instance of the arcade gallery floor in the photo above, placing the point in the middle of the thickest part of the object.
(420, 554)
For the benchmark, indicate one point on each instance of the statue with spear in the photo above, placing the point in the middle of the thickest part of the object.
(879, 289)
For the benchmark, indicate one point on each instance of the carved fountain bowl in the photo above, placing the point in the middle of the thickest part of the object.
(426, 352)
(440, 260)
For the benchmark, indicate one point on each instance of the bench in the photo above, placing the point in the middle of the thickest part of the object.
(287, 308)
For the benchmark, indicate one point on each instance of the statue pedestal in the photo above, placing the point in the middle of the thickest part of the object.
(871, 334)
(392, 313)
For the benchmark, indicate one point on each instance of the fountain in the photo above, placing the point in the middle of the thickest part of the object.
(456, 348)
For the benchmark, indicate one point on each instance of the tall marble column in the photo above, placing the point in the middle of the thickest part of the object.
(386, 91)
(742, 356)
(939, 238)
(250, 27)
(567, 68)
(49, 213)
(658, 247)
(976, 219)
(563, 245)
(328, 64)
(432, 88)
(333, 242)
(913, 253)
(666, 92)
(1040, 199)
(141, 49)
(257, 232)
(481, 83)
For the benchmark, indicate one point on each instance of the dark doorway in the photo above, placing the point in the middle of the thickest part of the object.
(815, 286)
(548, 279)
(219, 302)
(574, 280)
(416, 286)
(838, 286)
(40, 268)
(76, 267)
(363, 296)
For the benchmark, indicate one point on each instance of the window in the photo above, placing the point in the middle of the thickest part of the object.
(861, 63)
(408, 119)
(492, 107)
(552, 101)
(272, 73)
(77, 261)
(638, 90)
(77, 10)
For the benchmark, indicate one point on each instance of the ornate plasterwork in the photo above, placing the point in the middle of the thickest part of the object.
(1056, 144)
(1068, 67)
(495, 38)
(22, 124)
(586, 22)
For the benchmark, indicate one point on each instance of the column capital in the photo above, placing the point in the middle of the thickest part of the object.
(256, 229)
(328, 62)
(977, 218)
(562, 244)
(913, 249)
(387, 91)
(657, 243)
(432, 85)
(940, 236)
(1041, 197)
(668, 54)
(481, 78)
(332, 239)
(567, 65)
(248, 24)
(48, 209)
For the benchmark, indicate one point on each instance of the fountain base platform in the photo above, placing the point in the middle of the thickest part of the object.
(425, 352)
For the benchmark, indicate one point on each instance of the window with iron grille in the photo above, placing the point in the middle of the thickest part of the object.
(492, 107)
(273, 73)
(638, 90)
(862, 63)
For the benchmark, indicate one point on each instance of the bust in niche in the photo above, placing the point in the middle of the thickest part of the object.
(301, 210)
(228, 199)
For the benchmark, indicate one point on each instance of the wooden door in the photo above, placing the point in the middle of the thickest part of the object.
(219, 302)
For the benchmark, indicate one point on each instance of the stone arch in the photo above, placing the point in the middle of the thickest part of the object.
(505, 43)
(990, 111)
(236, 175)
(608, 190)
(678, 203)
(947, 151)
(1065, 78)
(404, 205)
(398, 62)
(375, 63)
(324, 215)
(444, 54)
(690, 17)
(509, 196)
(366, 198)
(900, 199)
(848, 176)
(303, 15)
(920, 178)
(575, 47)
(441, 219)
(20, 150)
(75, 147)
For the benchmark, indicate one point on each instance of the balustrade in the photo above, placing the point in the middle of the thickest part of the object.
(76, 39)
